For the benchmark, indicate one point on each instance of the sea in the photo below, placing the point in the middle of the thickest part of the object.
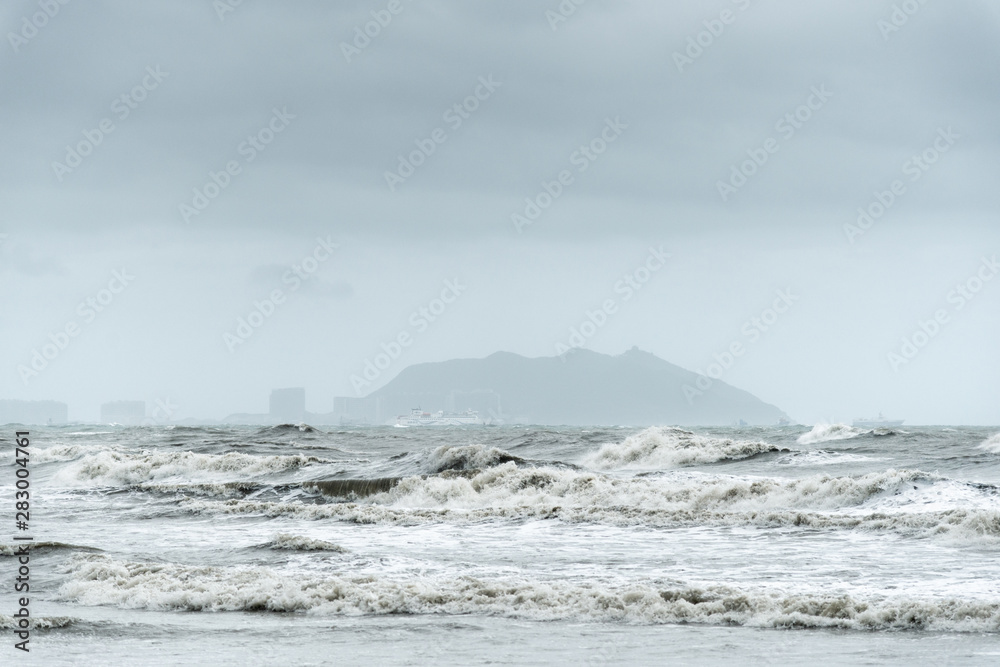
(505, 545)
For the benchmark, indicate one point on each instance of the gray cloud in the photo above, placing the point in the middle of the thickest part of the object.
(324, 174)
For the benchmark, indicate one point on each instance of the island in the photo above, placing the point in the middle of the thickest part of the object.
(579, 387)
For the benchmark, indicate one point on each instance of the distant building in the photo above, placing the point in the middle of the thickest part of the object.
(352, 410)
(33, 412)
(288, 406)
(127, 413)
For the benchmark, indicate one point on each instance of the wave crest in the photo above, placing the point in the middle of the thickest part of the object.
(828, 432)
(468, 457)
(113, 467)
(662, 447)
(907, 502)
(992, 444)
(133, 585)
(35, 547)
(510, 486)
(288, 542)
(958, 526)
(301, 427)
(38, 622)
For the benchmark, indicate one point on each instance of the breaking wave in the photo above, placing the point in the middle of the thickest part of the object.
(220, 490)
(828, 432)
(509, 485)
(113, 467)
(36, 547)
(57, 453)
(60, 453)
(287, 542)
(301, 427)
(992, 444)
(959, 526)
(353, 488)
(905, 501)
(662, 447)
(38, 622)
(468, 457)
(98, 580)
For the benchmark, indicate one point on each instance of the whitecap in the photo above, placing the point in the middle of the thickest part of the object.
(662, 447)
(828, 432)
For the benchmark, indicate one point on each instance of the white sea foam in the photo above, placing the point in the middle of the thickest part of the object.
(828, 432)
(992, 444)
(99, 580)
(37, 622)
(956, 526)
(127, 467)
(662, 447)
(508, 485)
(820, 458)
(58, 453)
(905, 501)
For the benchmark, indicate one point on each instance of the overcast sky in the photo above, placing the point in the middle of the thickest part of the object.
(203, 151)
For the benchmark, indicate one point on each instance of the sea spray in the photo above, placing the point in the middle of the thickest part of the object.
(828, 432)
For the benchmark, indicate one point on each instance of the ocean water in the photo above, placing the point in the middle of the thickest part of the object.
(508, 545)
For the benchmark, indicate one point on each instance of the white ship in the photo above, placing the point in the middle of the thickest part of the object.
(417, 417)
(879, 422)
